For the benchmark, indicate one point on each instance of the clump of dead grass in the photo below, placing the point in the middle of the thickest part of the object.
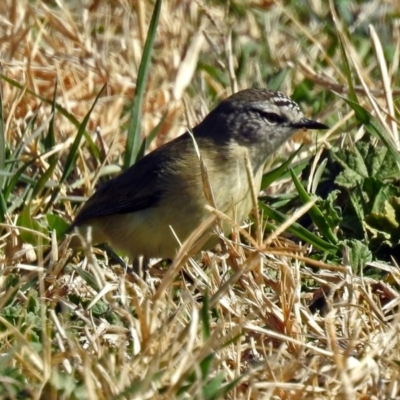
(247, 322)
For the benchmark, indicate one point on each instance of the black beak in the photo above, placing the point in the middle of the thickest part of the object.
(305, 123)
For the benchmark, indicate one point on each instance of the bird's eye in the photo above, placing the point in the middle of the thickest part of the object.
(273, 118)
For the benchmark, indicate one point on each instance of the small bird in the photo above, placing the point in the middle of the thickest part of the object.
(160, 199)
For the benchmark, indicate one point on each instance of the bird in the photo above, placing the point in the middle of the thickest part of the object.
(154, 205)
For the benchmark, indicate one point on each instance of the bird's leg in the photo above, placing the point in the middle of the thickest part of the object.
(140, 265)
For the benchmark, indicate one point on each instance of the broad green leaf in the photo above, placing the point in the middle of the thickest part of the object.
(374, 127)
(359, 254)
(25, 220)
(56, 223)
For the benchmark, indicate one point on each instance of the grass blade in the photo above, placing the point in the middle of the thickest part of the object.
(3, 205)
(92, 147)
(73, 153)
(133, 143)
(275, 174)
(315, 213)
(299, 231)
(374, 127)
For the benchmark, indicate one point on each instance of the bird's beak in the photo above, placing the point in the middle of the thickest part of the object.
(305, 123)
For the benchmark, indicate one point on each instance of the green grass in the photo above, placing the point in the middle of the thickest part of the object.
(306, 309)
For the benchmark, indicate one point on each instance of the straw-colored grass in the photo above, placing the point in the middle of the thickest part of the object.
(274, 319)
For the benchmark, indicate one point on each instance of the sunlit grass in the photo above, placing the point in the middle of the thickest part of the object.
(288, 316)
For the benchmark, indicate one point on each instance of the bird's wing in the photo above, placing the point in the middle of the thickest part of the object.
(130, 191)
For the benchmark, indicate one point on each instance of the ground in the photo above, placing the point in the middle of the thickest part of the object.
(300, 303)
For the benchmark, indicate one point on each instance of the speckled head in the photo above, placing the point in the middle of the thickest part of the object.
(260, 119)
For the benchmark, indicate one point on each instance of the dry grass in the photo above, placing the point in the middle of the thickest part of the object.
(238, 324)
